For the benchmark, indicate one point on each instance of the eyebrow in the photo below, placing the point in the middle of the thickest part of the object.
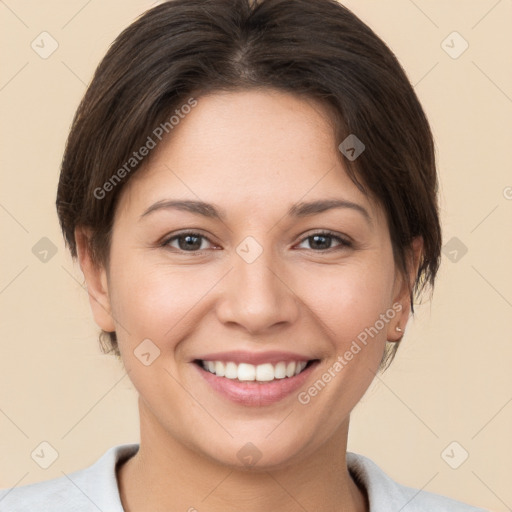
(314, 207)
(302, 209)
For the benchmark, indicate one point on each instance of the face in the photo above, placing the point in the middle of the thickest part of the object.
(257, 279)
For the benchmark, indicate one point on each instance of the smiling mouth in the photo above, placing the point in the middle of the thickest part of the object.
(245, 372)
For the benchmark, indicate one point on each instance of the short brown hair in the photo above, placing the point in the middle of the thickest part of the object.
(318, 49)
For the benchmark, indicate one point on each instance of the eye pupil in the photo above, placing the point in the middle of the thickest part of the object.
(324, 245)
(191, 242)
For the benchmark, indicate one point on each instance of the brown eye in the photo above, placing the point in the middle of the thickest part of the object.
(323, 241)
(186, 242)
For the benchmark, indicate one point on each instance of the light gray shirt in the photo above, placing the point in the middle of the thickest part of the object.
(95, 489)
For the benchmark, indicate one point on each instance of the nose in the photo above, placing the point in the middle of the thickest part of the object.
(258, 296)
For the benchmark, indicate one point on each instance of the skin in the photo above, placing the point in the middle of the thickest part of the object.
(252, 154)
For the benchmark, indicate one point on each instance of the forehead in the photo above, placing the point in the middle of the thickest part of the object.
(263, 149)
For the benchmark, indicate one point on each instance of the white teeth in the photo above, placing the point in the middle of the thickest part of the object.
(280, 371)
(249, 372)
(246, 371)
(231, 371)
(220, 369)
(290, 369)
(265, 372)
(300, 366)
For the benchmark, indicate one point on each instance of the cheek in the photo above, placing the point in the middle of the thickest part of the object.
(349, 299)
(152, 301)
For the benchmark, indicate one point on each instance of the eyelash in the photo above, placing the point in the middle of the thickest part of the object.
(344, 243)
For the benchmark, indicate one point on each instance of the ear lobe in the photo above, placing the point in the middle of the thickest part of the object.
(96, 280)
(402, 294)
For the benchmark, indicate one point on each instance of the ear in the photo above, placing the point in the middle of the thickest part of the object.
(96, 280)
(401, 294)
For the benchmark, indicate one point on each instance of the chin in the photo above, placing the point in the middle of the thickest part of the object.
(257, 453)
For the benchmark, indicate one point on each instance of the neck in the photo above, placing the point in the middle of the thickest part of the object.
(167, 475)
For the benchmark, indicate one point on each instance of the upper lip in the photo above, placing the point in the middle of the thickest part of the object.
(255, 358)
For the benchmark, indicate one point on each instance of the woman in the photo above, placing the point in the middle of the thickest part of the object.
(250, 189)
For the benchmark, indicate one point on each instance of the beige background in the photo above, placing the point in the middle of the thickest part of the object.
(451, 380)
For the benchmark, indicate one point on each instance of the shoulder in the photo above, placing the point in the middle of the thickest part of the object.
(90, 489)
(385, 494)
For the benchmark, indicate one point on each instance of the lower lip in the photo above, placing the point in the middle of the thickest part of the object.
(255, 393)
